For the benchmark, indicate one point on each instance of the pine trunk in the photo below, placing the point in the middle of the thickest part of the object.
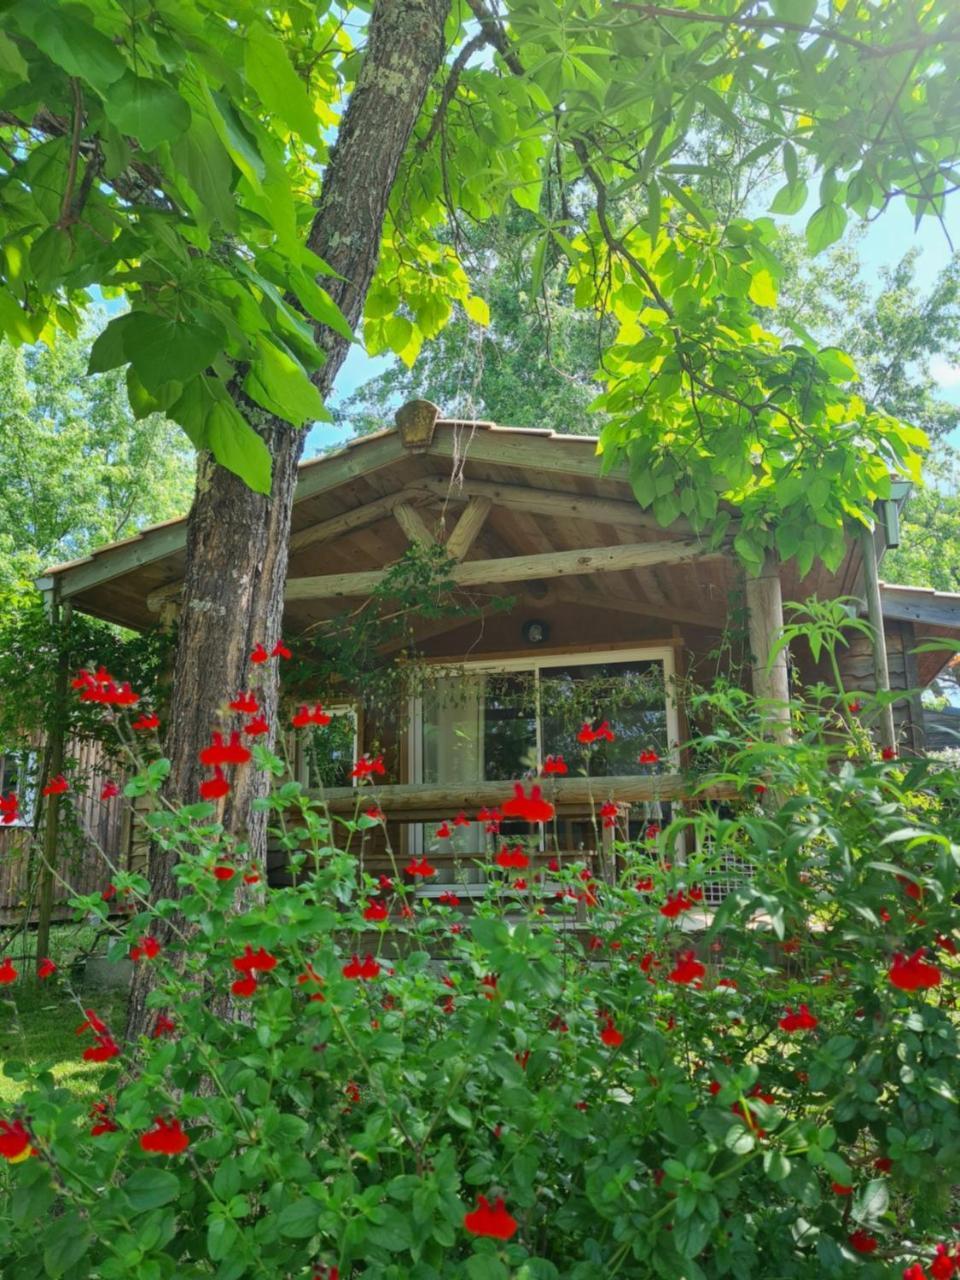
(237, 539)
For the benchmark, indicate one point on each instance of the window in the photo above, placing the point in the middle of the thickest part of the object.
(18, 774)
(327, 753)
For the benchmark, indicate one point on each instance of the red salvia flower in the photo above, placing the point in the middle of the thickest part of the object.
(948, 944)
(522, 1059)
(519, 884)
(889, 753)
(728, 982)
(224, 871)
(608, 812)
(167, 1138)
(376, 911)
(244, 986)
(259, 654)
(386, 884)
(594, 943)
(883, 1164)
(675, 904)
(841, 1189)
(146, 949)
(99, 1114)
(512, 858)
(309, 975)
(943, 1266)
(461, 820)
(7, 972)
(489, 815)
(103, 688)
(555, 765)
(449, 899)
(648, 757)
(105, 1048)
(254, 961)
(46, 968)
(490, 981)
(149, 720)
(443, 832)
(419, 867)
(245, 703)
(495, 1222)
(92, 1023)
(14, 1139)
(365, 969)
(220, 752)
(688, 969)
(163, 1026)
(257, 726)
(251, 877)
(913, 974)
(802, 1020)
(214, 788)
(109, 790)
(56, 786)
(644, 884)
(280, 650)
(529, 808)
(9, 808)
(376, 813)
(862, 1241)
(610, 1035)
(554, 865)
(109, 892)
(366, 767)
(911, 889)
(406, 912)
(448, 1005)
(304, 716)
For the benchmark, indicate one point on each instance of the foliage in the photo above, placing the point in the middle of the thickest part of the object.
(929, 551)
(79, 470)
(758, 1099)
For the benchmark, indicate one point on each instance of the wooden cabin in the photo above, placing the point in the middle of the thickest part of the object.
(598, 592)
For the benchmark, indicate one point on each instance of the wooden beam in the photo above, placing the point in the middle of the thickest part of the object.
(547, 502)
(922, 607)
(540, 452)
(60, 617)
(765, 617)
(415, 800)
(465, 531)
(475, 573)
(881, 670)
(630, 604)
(412, 524)
(355, 518)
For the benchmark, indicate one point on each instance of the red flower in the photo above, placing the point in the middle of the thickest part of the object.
(406, 912)
(46, 969)
(366, 767)
(644, 884)
(461, 820)
(56, 786)
(92, 1023)
(610, 1035)
(522, 1059)
(167, 1139)
(216, 787)
(147, 948)
(802, 1020)
(9, 808)
(648, 757)
(147, 721)
(109, 892)
(365, 969)
(519, 884)
(101, 1120)
(888, 753)
(759, 789)
(443, 832)
(419, 867)
(855, 707)
(841, 1189)
(244, 986)
(883, 1164)
(912, 974)
(14, 1139)
(943, 1267)
(386, 884)
(7, 972)
(688, 969)
(674, 904)
(304, 716)
(102, 688)
(105, 1049)
(555, 764)
(449, 899)
(251, 877)
(608, 812)
(490, 981)
(862, 1241)
(489, 815)
(253, 961)
(495, 1222)
(376, 911)
(728, 982)
(590, 735)
(256, 726)
(163, 1026)
(916, 1272)
(532, 808)
(259, 654)
(224, 872)
(109, 791)
(280, 650)
(514, 858)
(715, 1086)
(220, 752)
(376, 814)
(246, 704)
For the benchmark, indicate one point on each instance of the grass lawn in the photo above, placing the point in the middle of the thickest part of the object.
(38, 1020)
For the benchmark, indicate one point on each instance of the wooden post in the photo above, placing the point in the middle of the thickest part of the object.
(765, 621)
(60, 618)
(881, 671)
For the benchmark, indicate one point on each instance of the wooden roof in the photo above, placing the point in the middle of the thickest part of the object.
(530, 493)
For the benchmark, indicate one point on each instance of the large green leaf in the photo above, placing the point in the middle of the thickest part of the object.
(151, 1188)
(71, 41)
(826, 226)
(279, 383)
(12, 66)
(236, 446)
(279, 88)
(163, 350)
(148, 110)
(204, 166)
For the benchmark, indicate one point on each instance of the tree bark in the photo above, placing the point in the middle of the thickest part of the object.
(236, 539)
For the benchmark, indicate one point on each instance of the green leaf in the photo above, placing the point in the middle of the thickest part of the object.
(222, 1237)
(299, 1220)
(203, 164)
(12, 65)
(164, 350)
(763, 290)
(836, 363)
(477, 310)
(279, 383)
(72, 42)
(790, 198)
(150, 1188)
(826, 226)
(776, 1165)
(271, 75)
(236, 446)
(148, 110)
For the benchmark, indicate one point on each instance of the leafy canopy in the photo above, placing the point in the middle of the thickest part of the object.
(174, 153)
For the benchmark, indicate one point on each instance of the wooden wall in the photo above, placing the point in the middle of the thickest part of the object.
(856, 667)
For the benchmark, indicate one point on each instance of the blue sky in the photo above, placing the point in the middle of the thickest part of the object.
(884, 244)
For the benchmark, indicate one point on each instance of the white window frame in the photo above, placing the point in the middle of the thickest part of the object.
(26, 789)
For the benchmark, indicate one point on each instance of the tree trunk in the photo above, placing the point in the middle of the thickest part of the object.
(237, 539)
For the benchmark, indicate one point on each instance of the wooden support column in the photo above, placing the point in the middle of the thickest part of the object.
(881, 671)
(60, 619)
(765, 621)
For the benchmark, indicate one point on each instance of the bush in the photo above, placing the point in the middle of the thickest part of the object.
(502, 1094)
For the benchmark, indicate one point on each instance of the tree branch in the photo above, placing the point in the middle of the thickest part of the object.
(449, 89)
